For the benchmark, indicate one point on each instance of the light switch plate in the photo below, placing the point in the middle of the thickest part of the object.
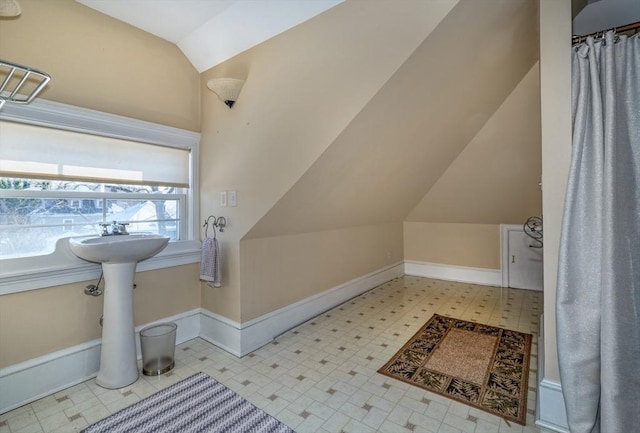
(233, 198)
(223, 198)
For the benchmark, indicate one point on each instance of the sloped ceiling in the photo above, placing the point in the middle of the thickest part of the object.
(303, 88)
(395, 150)
(495, 178)
(211, 31)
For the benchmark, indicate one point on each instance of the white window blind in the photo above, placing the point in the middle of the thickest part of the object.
(46, 153)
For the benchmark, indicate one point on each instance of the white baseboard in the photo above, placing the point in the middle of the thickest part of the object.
(262, 330)
(463, 274)
(241, 339)
(550, 408)
(551, 412)
(31, 380)
(221, 332)
(36, 378)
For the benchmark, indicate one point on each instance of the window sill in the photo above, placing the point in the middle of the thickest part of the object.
(63, 267)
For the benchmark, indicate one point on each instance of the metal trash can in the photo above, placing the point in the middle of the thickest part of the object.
(158, 346)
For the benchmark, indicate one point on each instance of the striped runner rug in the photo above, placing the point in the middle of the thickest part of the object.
(197, 404)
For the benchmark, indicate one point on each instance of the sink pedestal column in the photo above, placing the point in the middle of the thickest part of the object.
(118, 360)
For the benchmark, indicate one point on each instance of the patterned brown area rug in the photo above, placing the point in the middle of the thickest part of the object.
(483, 366)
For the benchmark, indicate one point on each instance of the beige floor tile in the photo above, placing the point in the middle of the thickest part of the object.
(322, 376)
(23, 419)
(31, 428)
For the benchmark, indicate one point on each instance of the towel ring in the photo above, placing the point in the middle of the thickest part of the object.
(218, 222)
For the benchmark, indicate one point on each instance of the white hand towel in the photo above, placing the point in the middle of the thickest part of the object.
(210, 262)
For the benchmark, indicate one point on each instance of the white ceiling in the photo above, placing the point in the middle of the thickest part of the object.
(211, 31)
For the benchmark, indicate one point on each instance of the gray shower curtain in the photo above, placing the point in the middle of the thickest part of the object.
(598, 294)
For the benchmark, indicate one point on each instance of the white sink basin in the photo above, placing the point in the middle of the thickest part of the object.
(118, 249)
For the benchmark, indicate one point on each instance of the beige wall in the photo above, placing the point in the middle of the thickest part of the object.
(302, 89)
(101, 63)
(493, 181)
(38, 322)
(281, 270)
(474, 245)
(555, 93)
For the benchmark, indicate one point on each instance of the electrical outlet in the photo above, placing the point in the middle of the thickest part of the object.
(223, 198)
(233, 199)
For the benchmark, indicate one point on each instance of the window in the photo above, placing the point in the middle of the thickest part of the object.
(67, 225)
(66, 170)
(35, 214)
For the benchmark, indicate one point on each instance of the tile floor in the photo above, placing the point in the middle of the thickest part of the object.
(321, 376)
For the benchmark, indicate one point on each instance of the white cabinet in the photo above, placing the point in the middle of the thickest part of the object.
(521, 261)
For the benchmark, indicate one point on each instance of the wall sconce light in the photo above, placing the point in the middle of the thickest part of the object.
(227, 89)
(10, 8)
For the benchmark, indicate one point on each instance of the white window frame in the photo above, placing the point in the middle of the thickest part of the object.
(66, 222)
(62, 266)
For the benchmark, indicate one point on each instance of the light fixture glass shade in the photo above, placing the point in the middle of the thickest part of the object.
(227, 89)
(9, 8)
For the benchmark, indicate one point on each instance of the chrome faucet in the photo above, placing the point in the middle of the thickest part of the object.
(119, 228)
(116, 229)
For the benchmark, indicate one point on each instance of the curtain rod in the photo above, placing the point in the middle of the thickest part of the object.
(628, 27)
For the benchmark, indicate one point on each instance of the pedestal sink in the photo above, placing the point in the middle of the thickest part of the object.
(119, 256)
